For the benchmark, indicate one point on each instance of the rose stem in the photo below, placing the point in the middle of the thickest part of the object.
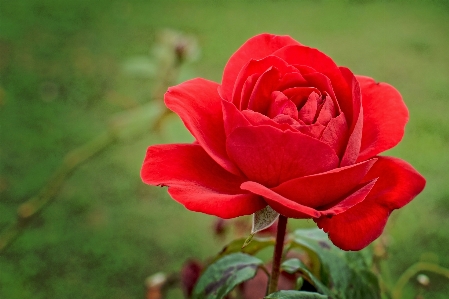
(277, 255)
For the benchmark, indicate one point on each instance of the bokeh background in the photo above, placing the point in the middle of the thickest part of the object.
(68, 68)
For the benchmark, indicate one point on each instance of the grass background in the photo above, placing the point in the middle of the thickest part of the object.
(62, 78)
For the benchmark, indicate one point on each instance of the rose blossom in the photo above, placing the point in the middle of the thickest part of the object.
(290, 129)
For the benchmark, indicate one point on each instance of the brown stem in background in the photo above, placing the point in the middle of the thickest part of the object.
(412, 271)
(125, 126)
(128, 124)
(277, 255)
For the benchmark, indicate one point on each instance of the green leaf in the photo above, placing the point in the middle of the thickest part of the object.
(295, 265)
(347, 274)
(252, 248)
(299, 283)
(248, 240)
(221, 277)
(263, 219)
(295, 295)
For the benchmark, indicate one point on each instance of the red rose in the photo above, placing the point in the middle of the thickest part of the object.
(290, 129)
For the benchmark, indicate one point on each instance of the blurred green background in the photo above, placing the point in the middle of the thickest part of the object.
(63, 75)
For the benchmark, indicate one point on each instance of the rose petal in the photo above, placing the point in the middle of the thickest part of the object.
(253, 69)
(356, 197)
(279, 203)
(286, 119)
(320, 82)
(260, 98)
(327, 111)
(299, 95)
(302, 55)
(258, 119)
(397, 185)
(336, 134)
(247, 90)
(197, 181)
(255, 48)
(324, 188)
(308, 111)
(293, 209)
(291, 80)
(355, 120)
(270, 156)
(280, 104)
(233, 118)
(199, 106)
(315, 130)
(357, 227)
(384, 117)
(398, 182)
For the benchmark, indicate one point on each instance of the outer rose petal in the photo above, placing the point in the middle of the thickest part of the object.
(198, 104)
(384, 117)
(233, 118)
(397, 185)
(351, 200)
(270, 156)
(293, 209)
(281, 204)
(324, 188)
(197, 181)
(356, 120)
(255, 48)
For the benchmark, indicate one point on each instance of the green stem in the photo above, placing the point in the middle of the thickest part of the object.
(277, 255)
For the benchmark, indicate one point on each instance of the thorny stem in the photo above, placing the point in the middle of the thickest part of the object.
(277, 255)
